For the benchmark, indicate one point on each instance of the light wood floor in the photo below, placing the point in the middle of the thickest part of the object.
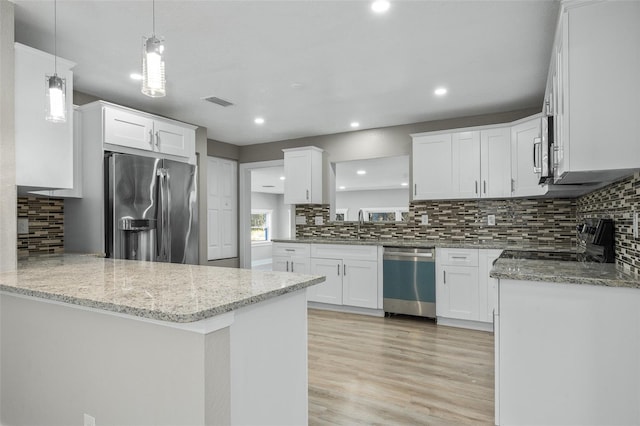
(397, 370)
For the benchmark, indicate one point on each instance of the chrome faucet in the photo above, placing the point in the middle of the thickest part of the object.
(360, 221)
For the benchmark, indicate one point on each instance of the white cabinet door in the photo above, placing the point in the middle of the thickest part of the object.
(360, 283)
(127, 129)
(487, 286)
(329, 291)
(459, 293)
(466, 165)
(432, 167)
(280, 263)
(300, 265)
(222, 216)
(174, 140)
(44, 151)
(303, 176)
(495, 163)
(525, 180)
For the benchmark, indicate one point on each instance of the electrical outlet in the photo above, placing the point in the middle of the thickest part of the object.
(424, 219)
(319, 220)
(23, 225)
(491, 220)
(89, 420)
(301, 220)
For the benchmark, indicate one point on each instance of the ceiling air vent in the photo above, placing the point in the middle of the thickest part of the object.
(218, 101)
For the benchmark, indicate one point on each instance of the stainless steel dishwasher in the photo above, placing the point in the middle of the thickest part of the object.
(409, 281)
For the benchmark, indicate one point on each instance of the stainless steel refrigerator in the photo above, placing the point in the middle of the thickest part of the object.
(151, 209)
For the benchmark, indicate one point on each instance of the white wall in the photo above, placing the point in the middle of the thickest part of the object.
(356, 200)
(8, 200)
(279, 222)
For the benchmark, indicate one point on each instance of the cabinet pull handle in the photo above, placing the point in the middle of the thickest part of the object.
(292, 266)
(338, 269)
(344, 270)
(151, 138)
(415, 189)
(536, 142)
(444, 274)
(476, 187)
(287, 266)
(307, 195)
(513, 184)
(459, 257)
(289, 249)
(158, 140)
(484, 183)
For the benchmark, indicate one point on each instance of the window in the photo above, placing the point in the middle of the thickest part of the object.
(387, 214)
(260, 225)
(341, 214)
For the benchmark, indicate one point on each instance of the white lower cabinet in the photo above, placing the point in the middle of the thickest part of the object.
(351, 275)
(291, 258)
(465, 294)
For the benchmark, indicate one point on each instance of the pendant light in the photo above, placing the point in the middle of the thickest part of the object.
(153, 80)
(55, 87)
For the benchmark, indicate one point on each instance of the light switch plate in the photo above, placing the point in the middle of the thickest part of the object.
(301, 220)
(319, 220)
(424, 219)
(491, 220)
(23, 225)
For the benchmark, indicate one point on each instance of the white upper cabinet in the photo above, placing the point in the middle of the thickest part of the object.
(594, 70)
(303, 175)
(462, 165)
(432, 174)
(138, 130)
(524, 179)
(44, 150)
(495, 163)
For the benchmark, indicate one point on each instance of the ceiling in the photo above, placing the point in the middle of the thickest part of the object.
(307, 67)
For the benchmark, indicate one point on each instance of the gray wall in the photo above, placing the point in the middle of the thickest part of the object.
(382, 142)
(8, 200)
(222, 150)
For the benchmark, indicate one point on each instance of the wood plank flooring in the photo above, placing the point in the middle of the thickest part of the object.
(397, 371)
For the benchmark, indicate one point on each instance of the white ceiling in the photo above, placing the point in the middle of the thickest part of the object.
(307, 67)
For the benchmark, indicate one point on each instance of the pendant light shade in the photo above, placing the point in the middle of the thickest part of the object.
(55, 87)
(55, 101)
(153, 80)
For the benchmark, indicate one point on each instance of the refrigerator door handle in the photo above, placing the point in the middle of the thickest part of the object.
(164, 231)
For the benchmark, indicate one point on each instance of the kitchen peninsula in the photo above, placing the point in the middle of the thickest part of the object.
(130, 342)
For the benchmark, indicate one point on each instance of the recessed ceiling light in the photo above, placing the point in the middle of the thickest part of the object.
(380, 6)
(135, 76)
(440, 91)
(404, 184)
(342, 187)
(355, 124)
(259, 120)
(281, 177)
(361, 172)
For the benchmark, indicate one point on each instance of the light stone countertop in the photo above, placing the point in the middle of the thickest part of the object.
(437, 243)
(162, 291)
(559, 271)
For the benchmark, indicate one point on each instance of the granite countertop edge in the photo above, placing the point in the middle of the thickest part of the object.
(501, 245)
(159, 314)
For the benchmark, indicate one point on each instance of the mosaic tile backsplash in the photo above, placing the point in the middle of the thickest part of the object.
(618, 202)
(540, 222)
(46, 226)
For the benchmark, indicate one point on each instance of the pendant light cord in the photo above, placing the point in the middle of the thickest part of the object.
(153, 6)
(55, 37)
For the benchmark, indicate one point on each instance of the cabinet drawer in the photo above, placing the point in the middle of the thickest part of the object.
(338, 251)
(294, 249)
(457, 257)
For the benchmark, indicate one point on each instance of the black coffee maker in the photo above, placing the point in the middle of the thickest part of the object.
(597, 235)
